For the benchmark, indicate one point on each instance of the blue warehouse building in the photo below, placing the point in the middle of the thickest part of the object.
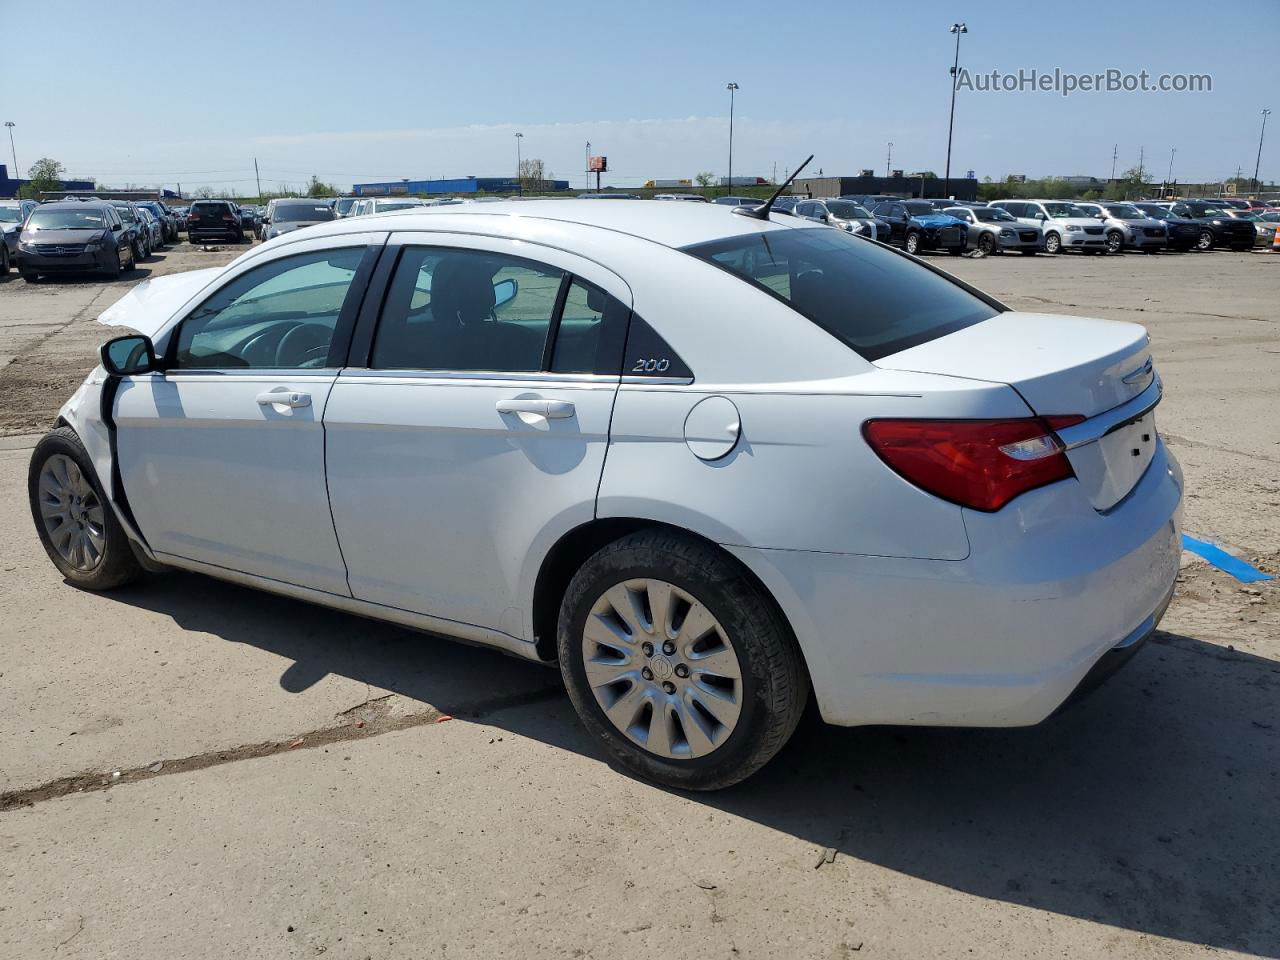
(454, 185)
(9, 186)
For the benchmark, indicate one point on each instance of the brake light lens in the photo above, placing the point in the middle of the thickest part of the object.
(227, 216)
(982, 464)
(192, 218)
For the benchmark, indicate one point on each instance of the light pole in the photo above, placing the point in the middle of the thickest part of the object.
(16, 172)
(732, 88)
(519, 178)
(1256, 165)
(1168, 181)
(888, 161)
(957, 29)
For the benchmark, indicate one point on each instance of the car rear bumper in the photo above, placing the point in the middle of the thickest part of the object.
(998, 639)
(230, 231)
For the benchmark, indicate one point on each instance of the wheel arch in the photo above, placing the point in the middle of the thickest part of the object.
(568, 554)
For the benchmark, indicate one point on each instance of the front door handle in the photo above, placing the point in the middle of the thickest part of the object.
(550, 409)
(285, 398)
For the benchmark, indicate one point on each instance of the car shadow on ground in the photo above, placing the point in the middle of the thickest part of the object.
(1150, 806)
(95, 279)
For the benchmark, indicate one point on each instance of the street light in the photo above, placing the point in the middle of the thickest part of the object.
(519, 178)
(732, 87)
(1256, 165)
(957, 29)
(1168, 181)
(16, 172)
(888, 160)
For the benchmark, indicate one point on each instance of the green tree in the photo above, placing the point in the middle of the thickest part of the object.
(316, 188)
(45, 174)
(705, 178)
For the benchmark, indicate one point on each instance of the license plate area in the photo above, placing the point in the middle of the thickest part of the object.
(1112, 465)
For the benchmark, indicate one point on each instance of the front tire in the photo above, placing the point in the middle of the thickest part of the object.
(1052, 243)
(678, 662)
(1206, 240)
(986, 245)
(1115, 241)
(912, 243)
(4, 260)
(75, 523)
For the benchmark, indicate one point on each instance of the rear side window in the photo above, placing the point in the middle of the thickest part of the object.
(591, 331)
(871, 298)
(465, 310)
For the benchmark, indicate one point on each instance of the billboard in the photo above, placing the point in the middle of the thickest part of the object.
(597, 164)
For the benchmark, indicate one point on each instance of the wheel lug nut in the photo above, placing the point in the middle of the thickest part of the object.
(647, 647)
(647, 673)
(668, 686)
(681, 670)
(668, 648)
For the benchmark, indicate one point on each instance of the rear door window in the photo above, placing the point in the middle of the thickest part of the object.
(869, 297)
(590, 335)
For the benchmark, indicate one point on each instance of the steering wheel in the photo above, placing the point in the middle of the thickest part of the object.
(306, 345)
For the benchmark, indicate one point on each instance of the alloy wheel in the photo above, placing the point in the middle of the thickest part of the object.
(1206, 240)
(71, 513)
(662, 669)
(1052, 243)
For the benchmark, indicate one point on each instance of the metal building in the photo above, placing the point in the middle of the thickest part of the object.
(9, 187)
(962, 188)
(453, 185)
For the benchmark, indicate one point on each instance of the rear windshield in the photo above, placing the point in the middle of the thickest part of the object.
(211, 207)
(302, 211)
(871, 298)
(10, 214)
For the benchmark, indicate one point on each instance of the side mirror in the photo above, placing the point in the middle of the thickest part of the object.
(125, 356)
(1041, 216)
(116, 227)
(504, 292)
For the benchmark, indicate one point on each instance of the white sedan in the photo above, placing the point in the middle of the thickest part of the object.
(710, 464)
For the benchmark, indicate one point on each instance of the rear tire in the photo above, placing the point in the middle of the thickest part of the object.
(4, 260)
(717, 616)
(75, 522)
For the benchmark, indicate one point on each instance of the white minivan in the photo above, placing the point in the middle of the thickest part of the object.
(1066, 226)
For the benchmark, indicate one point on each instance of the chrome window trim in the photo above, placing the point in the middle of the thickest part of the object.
(538, 376)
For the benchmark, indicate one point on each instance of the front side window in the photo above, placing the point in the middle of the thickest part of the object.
(869, 297)
(449, 309)
(281, 315)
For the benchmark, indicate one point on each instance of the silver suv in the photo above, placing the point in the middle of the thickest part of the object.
(1128, 227)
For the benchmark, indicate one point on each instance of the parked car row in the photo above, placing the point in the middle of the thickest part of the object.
(78, 234)
(1035, 226)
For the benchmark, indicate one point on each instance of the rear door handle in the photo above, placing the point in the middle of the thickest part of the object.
(285, 398)
(550, 409)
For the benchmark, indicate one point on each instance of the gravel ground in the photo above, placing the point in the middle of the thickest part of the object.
(191, 769)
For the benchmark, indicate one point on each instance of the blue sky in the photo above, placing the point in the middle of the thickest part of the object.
(383, 90)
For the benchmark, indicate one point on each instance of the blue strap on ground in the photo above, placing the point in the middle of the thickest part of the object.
(1223, 560)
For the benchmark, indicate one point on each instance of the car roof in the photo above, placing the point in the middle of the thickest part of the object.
(668, 224)
(76, 203)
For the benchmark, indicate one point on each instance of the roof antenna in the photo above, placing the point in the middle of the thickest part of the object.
(762, 213)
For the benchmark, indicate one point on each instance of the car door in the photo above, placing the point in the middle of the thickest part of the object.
(895, 214)
(221, 453)
(475, 435)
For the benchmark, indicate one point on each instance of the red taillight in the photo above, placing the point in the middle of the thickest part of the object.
(981, 464)
(193, 218)
(227, 216)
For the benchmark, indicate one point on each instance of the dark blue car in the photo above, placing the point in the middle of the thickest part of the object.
(915, 226)
(1184, 233)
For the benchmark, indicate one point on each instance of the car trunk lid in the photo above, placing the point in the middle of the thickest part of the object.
(1100, 370)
